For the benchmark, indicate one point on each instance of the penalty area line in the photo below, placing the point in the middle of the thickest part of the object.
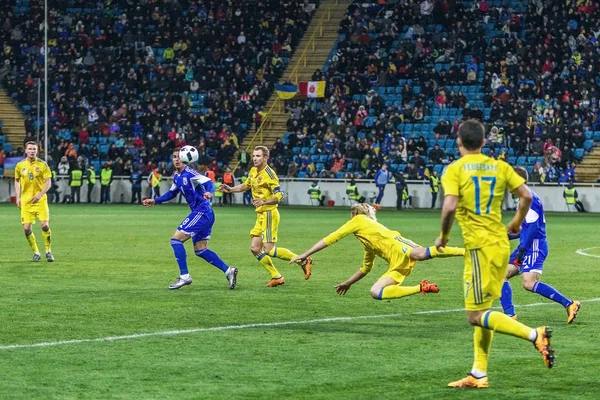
(247, 326)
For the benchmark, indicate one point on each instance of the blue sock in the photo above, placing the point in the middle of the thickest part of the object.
(506, 299)
(212, 258)
(550, 293)
(180, 255)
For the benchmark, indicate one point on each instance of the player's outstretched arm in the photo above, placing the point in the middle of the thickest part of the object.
(320, 245)
(525, 200)
(342, 288)
(242, 187)
(448, 213)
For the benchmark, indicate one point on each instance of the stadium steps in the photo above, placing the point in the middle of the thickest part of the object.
(589, 168)
(276, 126)
(13, 121)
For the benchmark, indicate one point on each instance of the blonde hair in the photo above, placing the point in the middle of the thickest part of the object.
(364, 209)
(264, 150)
(31, 143)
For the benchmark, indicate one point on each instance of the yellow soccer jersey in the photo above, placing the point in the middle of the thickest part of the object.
(264, 186)
(480, 182)
(376, 239)
(32, 178)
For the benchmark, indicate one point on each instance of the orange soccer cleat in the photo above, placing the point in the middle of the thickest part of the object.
(542, 344)
(471, 382)
(275, 282)
(572, 311)
(307, 268)
(427, 287)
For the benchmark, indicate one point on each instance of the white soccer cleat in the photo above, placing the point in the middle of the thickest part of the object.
(36, 257)
(179, 283)
(232, 277)
(49, 256)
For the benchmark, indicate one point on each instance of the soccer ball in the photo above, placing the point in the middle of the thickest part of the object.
(188, 154)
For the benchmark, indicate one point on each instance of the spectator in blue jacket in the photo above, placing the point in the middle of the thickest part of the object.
(382, 178)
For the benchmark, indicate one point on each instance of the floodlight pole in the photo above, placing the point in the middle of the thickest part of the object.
(46, 80)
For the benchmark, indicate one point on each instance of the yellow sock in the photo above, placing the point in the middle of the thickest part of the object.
(482, 341)
(32, 243)
(282, 253)
(397, 291)
(448, 252)
(502, 323)
(266, 262)
(46, 235)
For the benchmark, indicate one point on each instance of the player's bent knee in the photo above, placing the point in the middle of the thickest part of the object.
(528, 284)
(474, 317)
(376, 292)
(255, 249)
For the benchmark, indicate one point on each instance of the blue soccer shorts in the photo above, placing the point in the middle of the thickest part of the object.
(198, 226)
(533, 260)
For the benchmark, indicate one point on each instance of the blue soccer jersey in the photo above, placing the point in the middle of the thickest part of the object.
(193, 185)
(532, 240)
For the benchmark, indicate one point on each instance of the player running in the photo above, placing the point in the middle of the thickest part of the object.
(266, 195)
(197, 190)
(400, 253)
(474, 189)
(33, 178)
(528, 260)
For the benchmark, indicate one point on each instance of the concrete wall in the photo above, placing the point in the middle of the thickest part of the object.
(296, 193)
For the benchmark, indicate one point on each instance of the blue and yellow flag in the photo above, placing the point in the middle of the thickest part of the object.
(286, 92)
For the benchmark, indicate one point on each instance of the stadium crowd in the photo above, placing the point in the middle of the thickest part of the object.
(527, 70)
(131, 80)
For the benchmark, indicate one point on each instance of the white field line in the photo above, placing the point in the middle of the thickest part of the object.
(248, 326)
(582, 252)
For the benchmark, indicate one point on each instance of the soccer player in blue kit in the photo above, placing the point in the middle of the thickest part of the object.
(528, 260)
(197, 190)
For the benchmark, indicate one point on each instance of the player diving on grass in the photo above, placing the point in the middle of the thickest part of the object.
(400, 253)
(528, 260)
(197, 190)
(266, 195)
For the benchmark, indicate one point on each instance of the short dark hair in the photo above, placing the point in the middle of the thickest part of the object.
(522, 172)
(471, 134)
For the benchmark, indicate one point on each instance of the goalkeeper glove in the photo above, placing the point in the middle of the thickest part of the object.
(519, 257)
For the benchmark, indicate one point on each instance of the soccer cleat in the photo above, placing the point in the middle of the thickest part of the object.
(514, 317)
(471, 382)
(307, 268)
(49, 257)
(542, 344)
(36, 257)
(276, 282)
(232, 277)
(179, 283)
(377, 206)
(572, 311)
(427, 287)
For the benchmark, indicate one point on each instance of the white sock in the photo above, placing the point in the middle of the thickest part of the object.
(477, 373)
(186, 276)
(532, 335)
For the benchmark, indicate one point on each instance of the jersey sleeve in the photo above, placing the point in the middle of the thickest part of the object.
(368, 261)
(450, 182)
(47, 173)
(346, 229)
(513, 180)
(18, 171)
(170, 195)
(275, 188)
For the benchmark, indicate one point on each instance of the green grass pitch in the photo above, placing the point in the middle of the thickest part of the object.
(114, 264)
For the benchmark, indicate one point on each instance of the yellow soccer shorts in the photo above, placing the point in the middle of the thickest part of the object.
(400, 265)
(29, 212)
(485, 270)
(266, 226)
